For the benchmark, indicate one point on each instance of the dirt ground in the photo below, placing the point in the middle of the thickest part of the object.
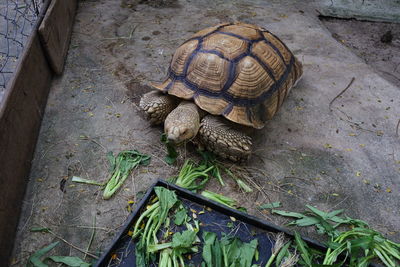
(347, 157)
(378, 43)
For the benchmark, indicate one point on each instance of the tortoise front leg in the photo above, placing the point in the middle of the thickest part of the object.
(157, 106)
(218, 136)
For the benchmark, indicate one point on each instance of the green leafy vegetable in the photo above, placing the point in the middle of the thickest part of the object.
(227, 201)
(172, 153)
(121, 166)
(70, 261)
(276, 249)
(40, 229)
(209, 239)
(359, 245)
(229, 251)
(172, 252)
(153, 218)
(180, 216)
(86, 181)
(140, 253)
(209, 159)
(284, 252)
(184, 239)
(303, 248)
(288, 213)
(247, 252)
(35, 259)
(190, 173)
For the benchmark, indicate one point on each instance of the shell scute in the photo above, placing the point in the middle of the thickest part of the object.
(208, 71)
(228, 46)
(243, 31)
(275, 42)
(251, 81)
(269, 57)
(181, 90)
(181, 56)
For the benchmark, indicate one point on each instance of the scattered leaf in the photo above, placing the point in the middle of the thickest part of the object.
(35, 259)
(172, 154)
(40, 229)
(85, 181)
(70, 261)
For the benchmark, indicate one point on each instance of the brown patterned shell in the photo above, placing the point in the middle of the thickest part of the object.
(237, 70)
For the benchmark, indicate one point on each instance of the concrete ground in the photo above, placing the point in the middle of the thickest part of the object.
(344, 158)
(371, 10)
(378, 43)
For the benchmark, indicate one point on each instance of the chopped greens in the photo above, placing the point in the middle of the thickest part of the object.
(359, 245)
(153, 218)
(172, 252)
(190, 173)
(70, 261)
(303, 249)
(172, 154)
(276, 250)
(209, 159)
(227, 201)
(121, 167)
(228, 251)
(36, 261)
(180, 216)
(77, 179)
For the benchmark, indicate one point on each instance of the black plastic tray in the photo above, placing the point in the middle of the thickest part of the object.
(246, 227)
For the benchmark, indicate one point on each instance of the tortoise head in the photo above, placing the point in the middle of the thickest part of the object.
(183, 123)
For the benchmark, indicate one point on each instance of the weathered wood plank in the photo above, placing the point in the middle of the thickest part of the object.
(20, 117)
(55, 32)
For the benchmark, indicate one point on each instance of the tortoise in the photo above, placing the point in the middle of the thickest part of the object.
(221, 82)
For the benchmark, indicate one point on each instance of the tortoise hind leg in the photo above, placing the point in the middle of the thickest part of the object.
(157, 106)
(218, 136)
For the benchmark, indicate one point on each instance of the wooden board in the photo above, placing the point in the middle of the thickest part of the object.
(22, 109)
(20, 117)
(55, 32)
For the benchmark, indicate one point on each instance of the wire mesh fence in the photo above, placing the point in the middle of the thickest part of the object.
(17, 19)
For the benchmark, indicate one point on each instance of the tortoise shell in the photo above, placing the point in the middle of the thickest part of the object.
(240, 71)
